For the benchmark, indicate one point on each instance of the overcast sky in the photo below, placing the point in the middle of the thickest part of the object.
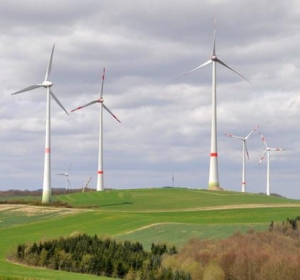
(145, 46)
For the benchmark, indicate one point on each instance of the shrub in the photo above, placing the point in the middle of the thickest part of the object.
(213, 271)
(253, 256)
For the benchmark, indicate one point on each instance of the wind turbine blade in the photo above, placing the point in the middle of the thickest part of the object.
(61, 174)
(27, 89)
(234, 136)
(109, 111)
(246, 149)
(251, 132)
(263, 156)
(276, 149)
(69, 181)
(57, 101)
(86, 184)
(263, 139)
(48, 72)
(101, 90)
(214, 45)
(202, 65)
(224, 64)
(88, 104)
(69, 168)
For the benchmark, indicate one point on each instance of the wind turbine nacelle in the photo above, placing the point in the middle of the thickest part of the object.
(47, 84)
(213, 58)
(100, 100)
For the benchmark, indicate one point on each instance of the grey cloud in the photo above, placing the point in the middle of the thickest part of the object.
(165, 123)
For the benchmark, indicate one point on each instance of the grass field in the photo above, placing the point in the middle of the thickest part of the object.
(149, 215)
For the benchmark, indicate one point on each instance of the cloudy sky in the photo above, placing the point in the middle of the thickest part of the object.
(145, 46)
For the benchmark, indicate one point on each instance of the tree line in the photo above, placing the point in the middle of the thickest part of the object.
(102, 257)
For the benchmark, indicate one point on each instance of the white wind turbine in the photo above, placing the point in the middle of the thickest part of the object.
(213, 183)
(267, 152)
(245, 151)
(47, 164)
(66, 174)
(100, 184)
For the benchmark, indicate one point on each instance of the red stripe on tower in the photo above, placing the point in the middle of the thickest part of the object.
(213, 154)
(47, 150)
(100, 172)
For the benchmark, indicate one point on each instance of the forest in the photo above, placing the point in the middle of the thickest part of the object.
(92, 255)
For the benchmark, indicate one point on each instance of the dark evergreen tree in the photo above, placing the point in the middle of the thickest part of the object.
(85, 254)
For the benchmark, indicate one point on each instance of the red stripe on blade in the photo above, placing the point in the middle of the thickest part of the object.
(76, 109)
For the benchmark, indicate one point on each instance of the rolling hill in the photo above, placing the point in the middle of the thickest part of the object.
(171, 215)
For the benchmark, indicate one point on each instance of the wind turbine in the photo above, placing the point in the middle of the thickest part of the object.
(86, 185)
(267, 152)
(66, 174)
(47, 163)
(245, 151)
(173, 179)
(100, 184)
(213, 183)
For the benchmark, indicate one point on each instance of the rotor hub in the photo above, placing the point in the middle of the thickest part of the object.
(47, 84)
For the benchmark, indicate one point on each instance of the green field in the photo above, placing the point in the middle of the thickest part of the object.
(165, 215)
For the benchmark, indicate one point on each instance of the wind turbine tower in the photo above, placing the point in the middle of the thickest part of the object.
(46, 197)
(245, 151)
(100, 183)
(267, 152)
(213, 183)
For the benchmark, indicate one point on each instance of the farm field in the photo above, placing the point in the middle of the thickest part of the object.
(165, 215)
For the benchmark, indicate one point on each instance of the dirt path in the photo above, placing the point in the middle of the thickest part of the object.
(33, 210)
(211, 208)
(242, 206)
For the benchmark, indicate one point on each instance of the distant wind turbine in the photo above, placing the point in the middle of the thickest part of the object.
(213, 183)
(86, 185)
(47, 164)
(173, 179)
(267, 152)
(66, 174)
(100, 184)
(245, 151)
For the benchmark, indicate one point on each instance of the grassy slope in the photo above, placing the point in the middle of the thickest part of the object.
(164, 199)
(172, 213)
